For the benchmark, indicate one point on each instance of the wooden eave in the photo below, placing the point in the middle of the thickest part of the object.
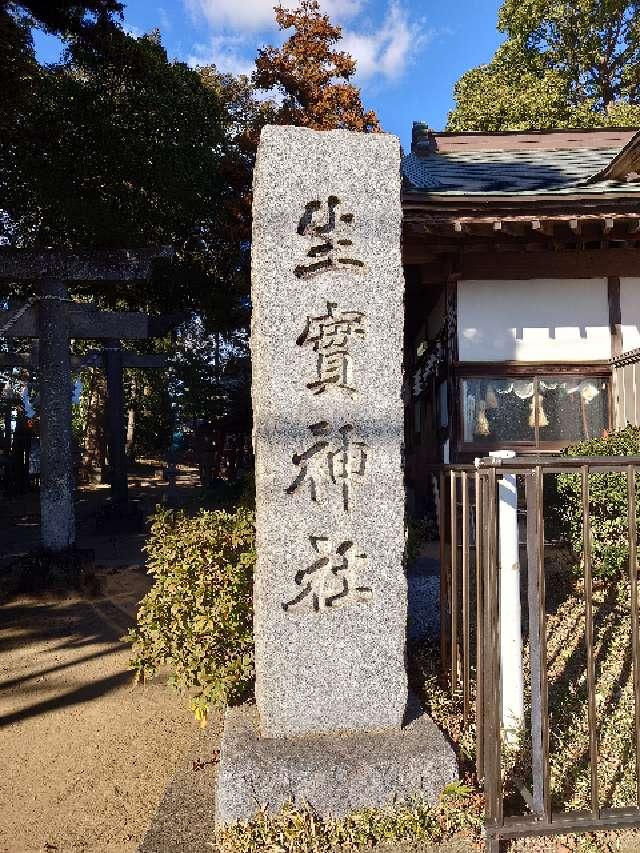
(462, 224)
(522, 205)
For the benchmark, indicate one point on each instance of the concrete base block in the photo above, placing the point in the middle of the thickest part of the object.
(336, 774)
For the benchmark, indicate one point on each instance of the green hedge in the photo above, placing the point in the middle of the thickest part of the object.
(608, 503)
(197, 617)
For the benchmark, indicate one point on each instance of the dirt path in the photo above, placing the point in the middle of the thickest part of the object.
(85, 754)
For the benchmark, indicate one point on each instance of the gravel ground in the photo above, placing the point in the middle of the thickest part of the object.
(85, 754)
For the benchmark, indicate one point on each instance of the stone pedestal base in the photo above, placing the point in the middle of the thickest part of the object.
(336, 774)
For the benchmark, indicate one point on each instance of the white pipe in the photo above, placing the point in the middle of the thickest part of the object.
(512, 680)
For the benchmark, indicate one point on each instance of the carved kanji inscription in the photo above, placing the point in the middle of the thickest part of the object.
(332, 580)
(330, 461)
(330, 232)
(331, 336)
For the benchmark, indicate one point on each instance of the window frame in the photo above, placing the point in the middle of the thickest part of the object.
(523, 370)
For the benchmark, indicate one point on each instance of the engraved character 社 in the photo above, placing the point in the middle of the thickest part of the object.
(332, 579)
(330, 336)
(330, 463)
(330, 232)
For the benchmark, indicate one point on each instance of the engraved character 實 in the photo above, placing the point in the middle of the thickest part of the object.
(330, 336)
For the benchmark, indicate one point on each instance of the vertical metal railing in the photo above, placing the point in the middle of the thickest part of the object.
(633, 587)
(470, 612)
(444, 576)
(465, 597)
(588, 621)
(453, 578)
(492, 734)
(481, 542)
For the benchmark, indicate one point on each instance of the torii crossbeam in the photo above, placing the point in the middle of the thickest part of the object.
(53, 318)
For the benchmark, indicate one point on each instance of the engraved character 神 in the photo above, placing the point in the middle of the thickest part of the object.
(330, 232)
(330, 336)
(332, 579)
(334, 463)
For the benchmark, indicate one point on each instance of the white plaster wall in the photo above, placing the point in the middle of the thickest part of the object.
(630, 313)
(559, 320)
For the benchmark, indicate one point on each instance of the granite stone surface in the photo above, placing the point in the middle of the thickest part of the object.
(336, 774)
(330, 594)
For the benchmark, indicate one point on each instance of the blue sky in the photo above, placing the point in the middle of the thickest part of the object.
(409, 53)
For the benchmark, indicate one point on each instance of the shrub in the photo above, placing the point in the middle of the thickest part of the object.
(298, 829)
(608, 503)
(197, 616)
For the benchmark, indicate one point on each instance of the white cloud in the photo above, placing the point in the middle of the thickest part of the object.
(226, 53)
(165, 20)
(382, 53)
(387, 51)
(254, 15)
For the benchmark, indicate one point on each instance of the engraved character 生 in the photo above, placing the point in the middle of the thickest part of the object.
(331, 238)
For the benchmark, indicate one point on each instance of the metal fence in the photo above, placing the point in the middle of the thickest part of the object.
(626, 389)
(470, 634)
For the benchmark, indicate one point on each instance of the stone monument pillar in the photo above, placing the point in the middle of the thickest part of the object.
(327, 336)
(330, 591)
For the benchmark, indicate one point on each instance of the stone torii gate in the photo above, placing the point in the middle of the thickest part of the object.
(114, 360)
(53, 318)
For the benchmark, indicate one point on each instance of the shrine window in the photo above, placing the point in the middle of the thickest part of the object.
(536, 411)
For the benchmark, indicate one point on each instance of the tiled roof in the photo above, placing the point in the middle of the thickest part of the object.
(537, 171)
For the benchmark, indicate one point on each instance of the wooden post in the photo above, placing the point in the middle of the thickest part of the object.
(115, 422)
(57, 509)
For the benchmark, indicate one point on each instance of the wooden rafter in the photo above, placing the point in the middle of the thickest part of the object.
(494, 232)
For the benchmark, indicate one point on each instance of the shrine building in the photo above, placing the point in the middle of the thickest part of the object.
(522, 264)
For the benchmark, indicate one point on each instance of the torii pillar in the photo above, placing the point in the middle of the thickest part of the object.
(54, 321)
(57, 512)
(114, 360)
(115, 412)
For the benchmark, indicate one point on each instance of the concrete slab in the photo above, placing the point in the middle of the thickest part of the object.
(184, 822)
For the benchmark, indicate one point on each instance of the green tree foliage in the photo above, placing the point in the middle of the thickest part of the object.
(608, 503)
(197, 617)
(212, 376)
(19, 71)
(62, 17)
(574, 63)
(116, 146)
